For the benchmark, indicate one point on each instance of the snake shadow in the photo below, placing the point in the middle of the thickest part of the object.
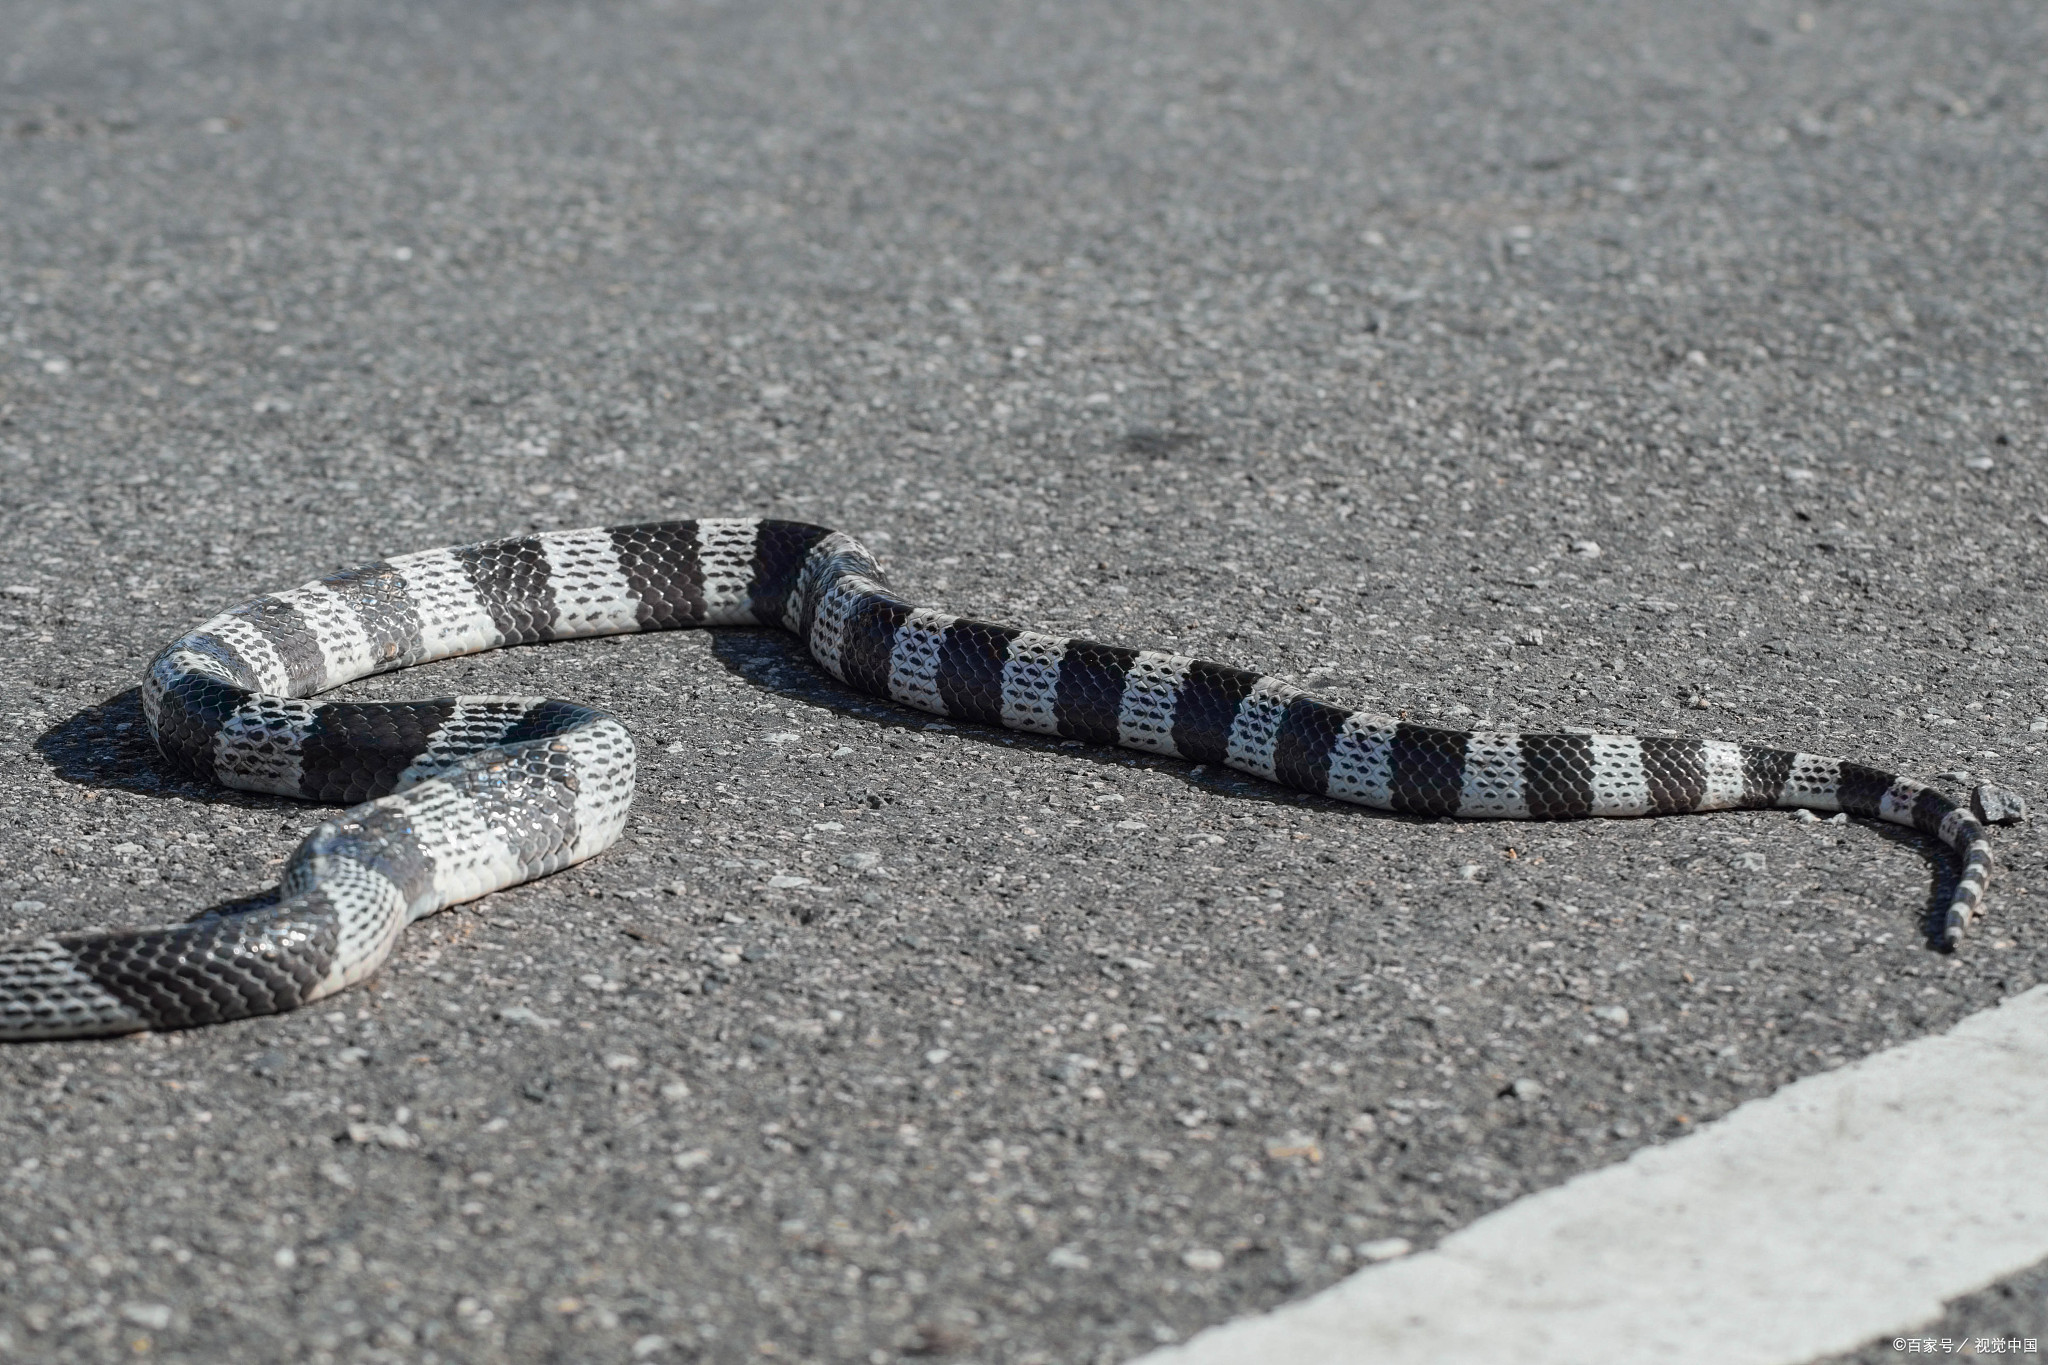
(107, 745)
(1947, 873)
(774, 661)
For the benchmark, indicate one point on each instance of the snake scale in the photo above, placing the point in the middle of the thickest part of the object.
(451, 799)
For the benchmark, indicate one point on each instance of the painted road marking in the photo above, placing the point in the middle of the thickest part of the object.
(1844, 1207)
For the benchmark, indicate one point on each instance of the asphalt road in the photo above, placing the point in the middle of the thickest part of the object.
(1622, 365)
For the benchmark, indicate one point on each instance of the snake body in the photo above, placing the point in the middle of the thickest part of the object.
(455, 798)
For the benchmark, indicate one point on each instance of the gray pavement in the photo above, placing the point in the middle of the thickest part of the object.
(1625, 365)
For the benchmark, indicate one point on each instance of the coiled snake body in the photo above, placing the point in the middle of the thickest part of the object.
(467, 795)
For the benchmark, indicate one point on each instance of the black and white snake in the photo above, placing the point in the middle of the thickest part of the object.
(455, 798)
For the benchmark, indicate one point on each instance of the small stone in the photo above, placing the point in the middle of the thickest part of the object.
(1805, 817)
(1997, 806)
(284, 1258)
(936, 1339)
(56, 364)
(154, 1316)
(1135, 826)
(692, 1159)
(336, 1174)
(520, 1014)
(2038, 725)
(938, 1056)
(1959, 776)
(1204, 1259)
(1752, 861)
(1983, 464)
(1362, 1124)
(620, 1061)
(842, 752)
(861, 859)
(381, 1135)
(1838, 818)
(782, 881)
(675, 1090)
(1526, 1089)
(646, 1346)
(1586, 549)
(27, 907)
(1470, 871)
(1067, 1258)
(1385, 1249)
(1613, 1014)
(1295, 1147)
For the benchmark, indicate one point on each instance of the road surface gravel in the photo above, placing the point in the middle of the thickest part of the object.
(1632, 366)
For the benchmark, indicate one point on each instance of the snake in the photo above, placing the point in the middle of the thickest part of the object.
(452, 799)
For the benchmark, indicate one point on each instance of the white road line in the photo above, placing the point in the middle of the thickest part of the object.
(1844, 1207)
